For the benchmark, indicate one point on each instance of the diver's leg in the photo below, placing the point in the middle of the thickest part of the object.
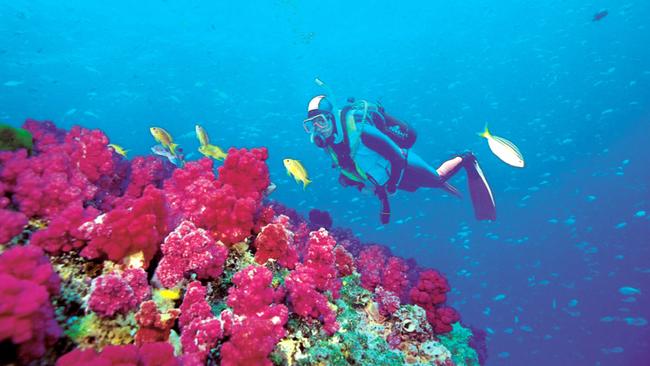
(419, 174)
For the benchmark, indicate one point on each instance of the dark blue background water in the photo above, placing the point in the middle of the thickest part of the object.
(573, 94)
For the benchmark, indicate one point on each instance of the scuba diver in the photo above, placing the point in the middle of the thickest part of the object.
(373, 151)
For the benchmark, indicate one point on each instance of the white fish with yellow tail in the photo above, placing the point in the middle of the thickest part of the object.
(297, 171)
(503, 149)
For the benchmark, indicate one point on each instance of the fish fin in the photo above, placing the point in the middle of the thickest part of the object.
(486, 132)
(172, 148)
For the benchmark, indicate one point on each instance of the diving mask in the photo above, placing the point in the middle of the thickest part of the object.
(316, 123)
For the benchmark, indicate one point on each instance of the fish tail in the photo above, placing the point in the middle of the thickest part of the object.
(305, 183)
(486, 132)
(172, 148)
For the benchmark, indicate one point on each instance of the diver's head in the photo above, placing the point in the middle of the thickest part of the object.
(320, 120)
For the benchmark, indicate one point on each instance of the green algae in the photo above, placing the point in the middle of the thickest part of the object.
(13, 138)
(457, 342)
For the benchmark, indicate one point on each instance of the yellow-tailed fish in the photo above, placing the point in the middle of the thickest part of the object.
(119, 149)
(297, 171)
(164, 138)
(202, 135)
(503, 149)
(212, 151)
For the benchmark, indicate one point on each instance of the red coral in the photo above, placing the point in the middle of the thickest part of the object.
(152, 326)
(430, 293)
(276, 242)
(396, 276)
(63, 234)
(90, 152)
(306, 301)
(46, 184)
(255, 324)
(200, 329)
(321, 258)
(246, 171)
(344, 261)
(151, 354)
(114, 294)
(26, 315)
(370, 265)
(227, 206)
(12, 224)
(145, 171)
(189, 249)
(387, 300)
(128, 229)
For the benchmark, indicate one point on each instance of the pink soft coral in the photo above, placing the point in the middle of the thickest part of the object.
(370, 263)
(152, 325)
(150, 354)
(12, 224)
(275, 241)
(226, 206)
(189, 249)
(200, 330)
(26, 315)
(63, 234)
(255, 324)
(430, 293)
(118, 294)
(138, 225)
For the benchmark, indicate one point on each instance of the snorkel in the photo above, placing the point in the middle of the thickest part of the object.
(338, 136)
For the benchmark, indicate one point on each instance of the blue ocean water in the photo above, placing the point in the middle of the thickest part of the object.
(573, 227)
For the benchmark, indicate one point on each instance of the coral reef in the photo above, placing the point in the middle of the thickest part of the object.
(105, 261)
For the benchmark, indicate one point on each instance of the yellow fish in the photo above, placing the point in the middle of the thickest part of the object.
(173, 294)
(503, 149)
(202, 135)
(295, 169)
(164, 138)
(212, 151)
(118, 149)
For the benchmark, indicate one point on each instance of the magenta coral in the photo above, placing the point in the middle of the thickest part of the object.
(276, 242)
(129, 228)
(387, 300)
(370, 265)
(226, 207)
(430, 293)
(318, 274)
(200, 329)
(63, 234)
(145, 171)
(321, 258)
(344, 261)
(246, 171)
(90, 152)
(118, 294)
(12, 224)
(306, 301)
(395, 276)
(151, 354)
(255, 324)
(189, 249)
(26, 316)
(152, 325)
